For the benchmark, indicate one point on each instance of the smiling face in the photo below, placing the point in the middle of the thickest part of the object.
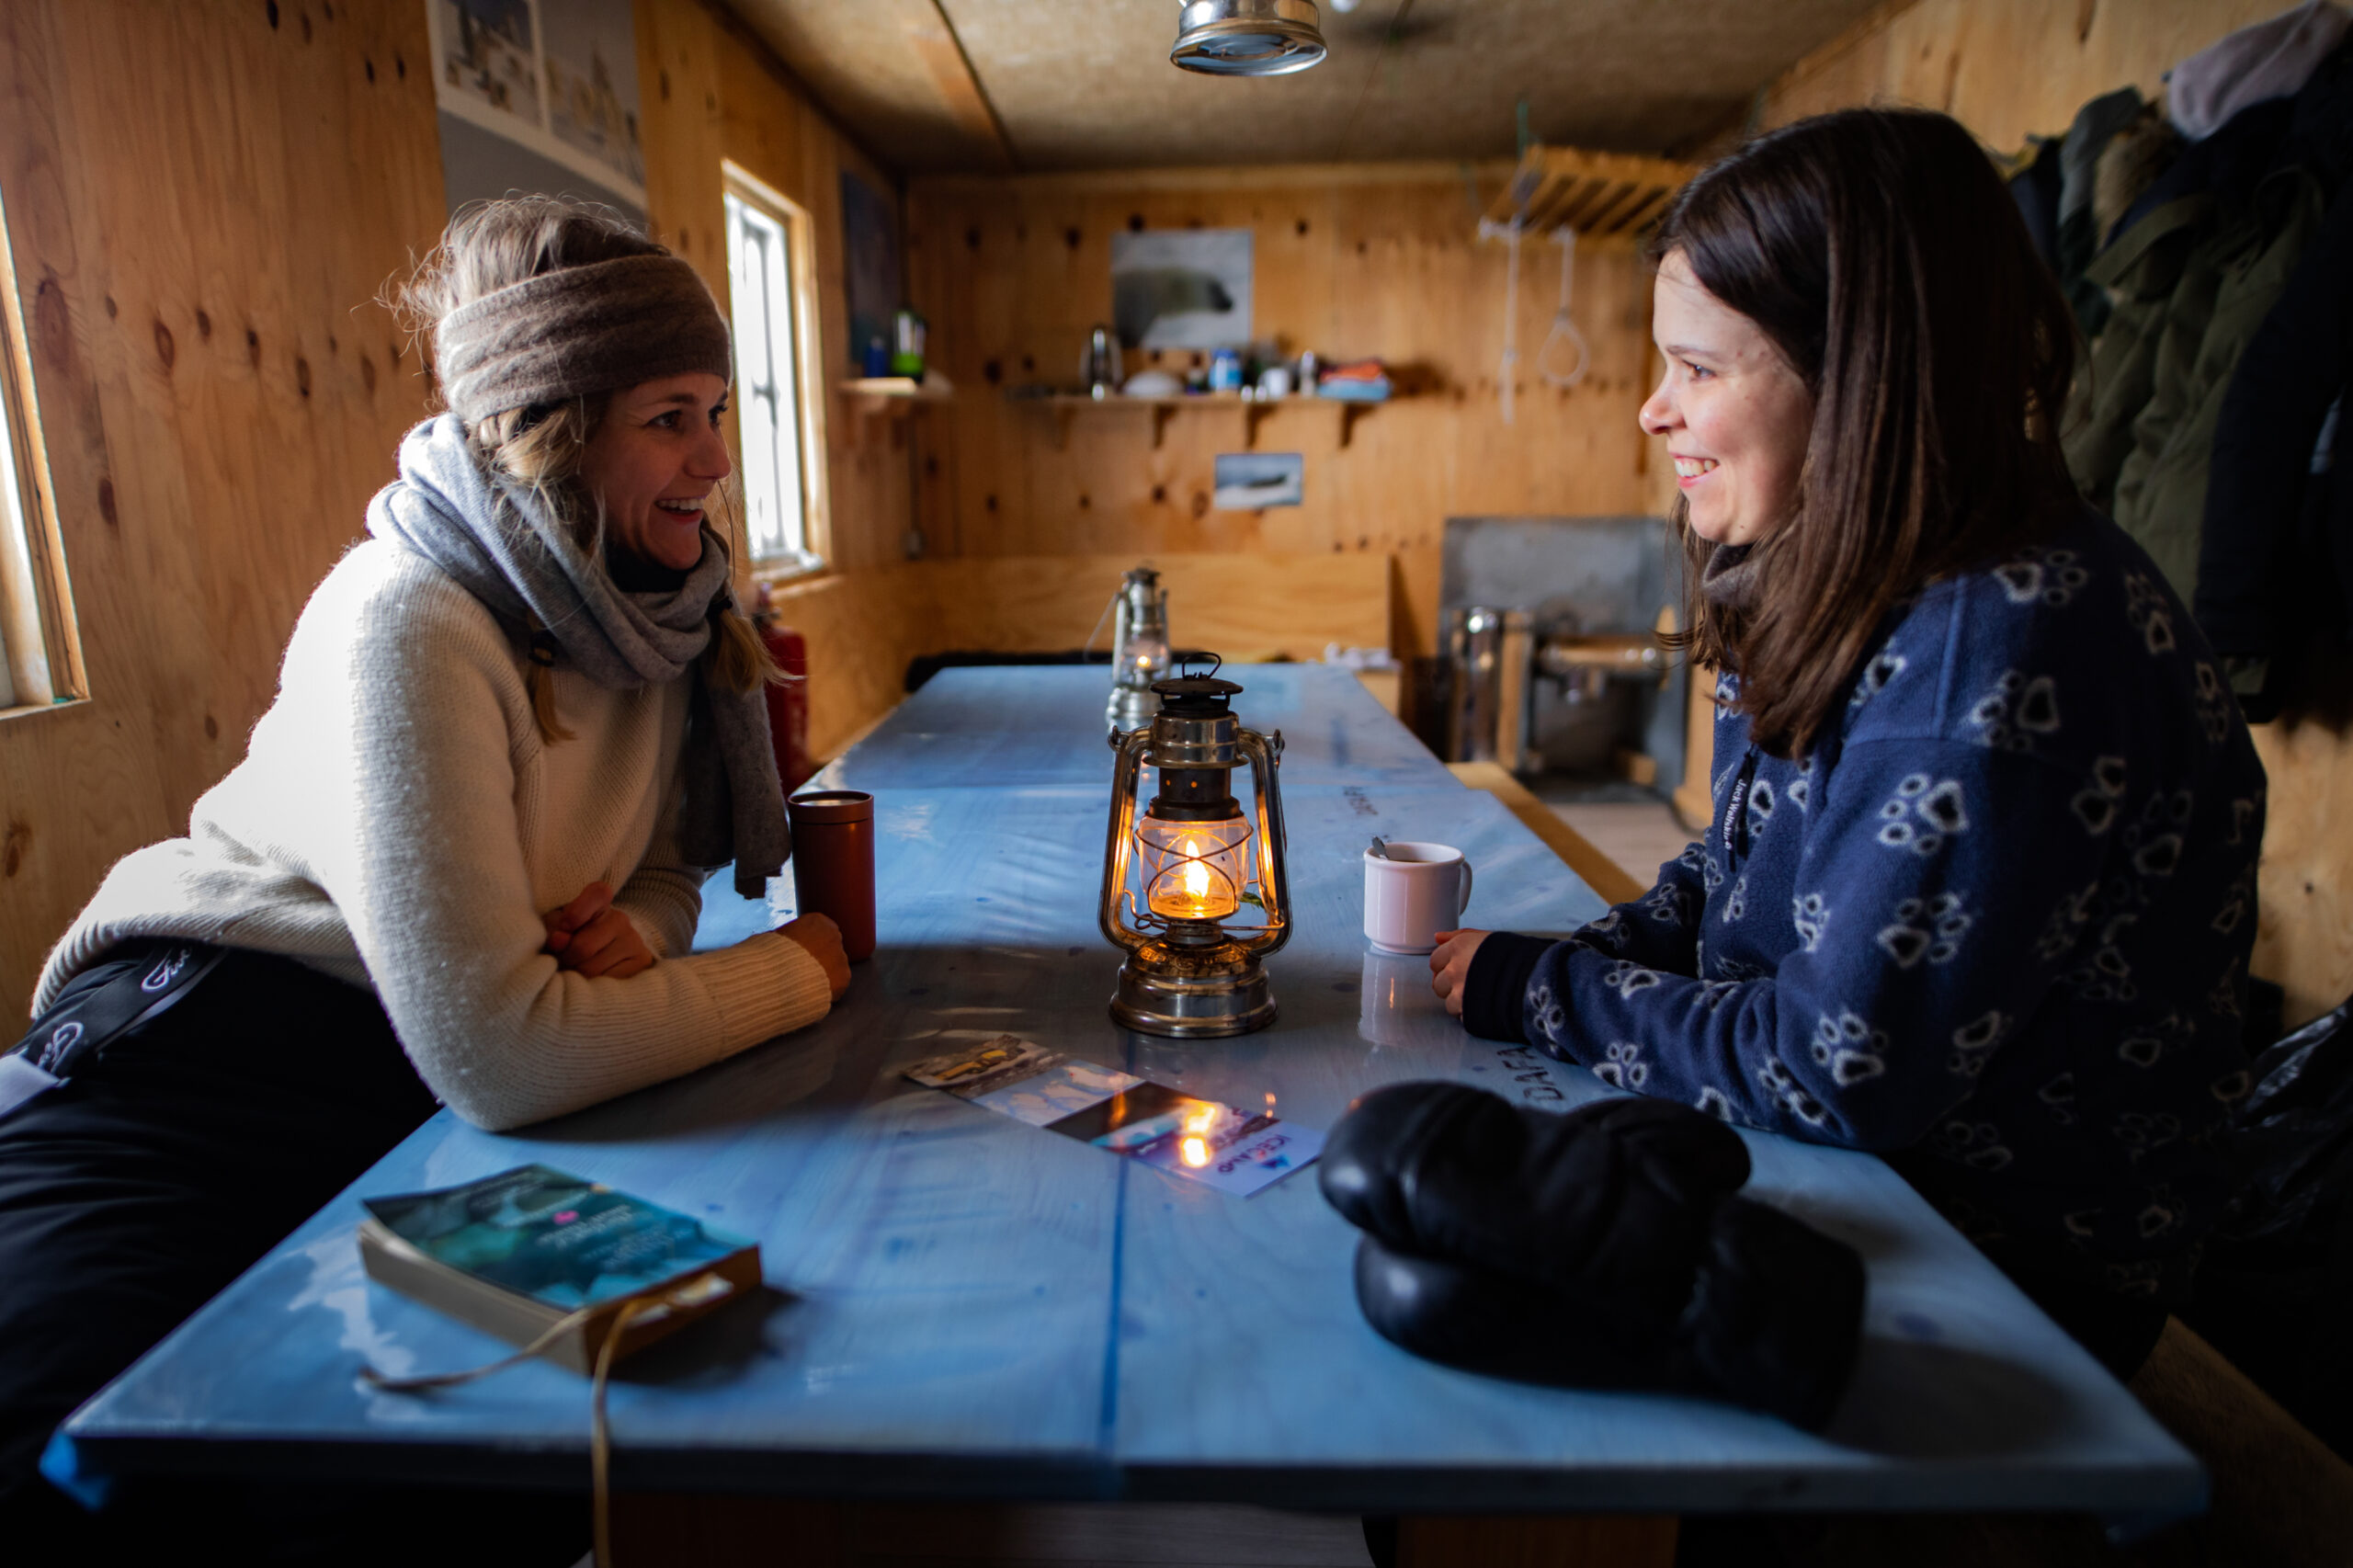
(653, 464)
(1736, 416)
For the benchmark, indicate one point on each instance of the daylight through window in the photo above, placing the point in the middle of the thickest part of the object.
(768, 403)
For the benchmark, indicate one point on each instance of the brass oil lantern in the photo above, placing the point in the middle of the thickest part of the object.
(1177, 879)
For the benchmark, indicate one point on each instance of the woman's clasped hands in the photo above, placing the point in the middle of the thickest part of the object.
(596, 938)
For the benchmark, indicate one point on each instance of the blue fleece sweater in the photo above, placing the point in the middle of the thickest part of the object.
(1995, 927)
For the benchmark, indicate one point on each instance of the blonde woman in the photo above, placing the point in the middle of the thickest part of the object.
(461, 861)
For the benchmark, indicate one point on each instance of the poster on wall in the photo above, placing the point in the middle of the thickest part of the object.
(871, 260)
(1247, 481)
(555, 79)
(1181, 288)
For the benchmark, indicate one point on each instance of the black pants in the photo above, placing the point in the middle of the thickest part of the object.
(135, 1190)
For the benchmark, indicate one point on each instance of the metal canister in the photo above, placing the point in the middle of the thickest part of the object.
(1488, 652)
(833, 862)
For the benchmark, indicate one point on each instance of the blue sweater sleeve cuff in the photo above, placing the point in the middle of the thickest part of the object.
(1495, 993)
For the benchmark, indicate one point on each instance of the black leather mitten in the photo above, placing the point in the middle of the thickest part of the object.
(1772, 1323)
(1612, 1198)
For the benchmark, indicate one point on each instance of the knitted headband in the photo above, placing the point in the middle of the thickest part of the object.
(579, 330)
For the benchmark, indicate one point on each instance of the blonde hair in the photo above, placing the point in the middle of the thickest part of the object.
(491, 245)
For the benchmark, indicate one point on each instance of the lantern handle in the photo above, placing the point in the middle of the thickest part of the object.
(1217, 662)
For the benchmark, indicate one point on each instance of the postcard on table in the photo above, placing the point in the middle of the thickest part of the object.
(1235, 1151)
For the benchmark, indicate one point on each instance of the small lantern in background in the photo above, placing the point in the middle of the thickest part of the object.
(1139, 648)
(1192, 860)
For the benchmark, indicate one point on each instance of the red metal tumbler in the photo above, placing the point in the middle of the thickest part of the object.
(833, 862)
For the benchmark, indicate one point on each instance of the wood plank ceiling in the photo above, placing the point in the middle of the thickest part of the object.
(941, 86)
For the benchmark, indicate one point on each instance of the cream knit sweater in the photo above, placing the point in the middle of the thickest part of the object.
(398, 821)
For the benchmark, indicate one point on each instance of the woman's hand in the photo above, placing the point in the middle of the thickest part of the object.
(1450, 966)
(590, 936)
(822, 939)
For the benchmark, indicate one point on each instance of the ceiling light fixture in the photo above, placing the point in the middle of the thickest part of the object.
(1248, 37)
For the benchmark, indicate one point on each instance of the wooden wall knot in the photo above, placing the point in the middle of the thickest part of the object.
(165, 349)
(12, 848)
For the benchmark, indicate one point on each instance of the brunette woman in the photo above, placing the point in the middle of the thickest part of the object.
(461, 859)
(1978, 890)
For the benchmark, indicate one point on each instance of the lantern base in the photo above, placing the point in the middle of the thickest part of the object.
(1193, 992)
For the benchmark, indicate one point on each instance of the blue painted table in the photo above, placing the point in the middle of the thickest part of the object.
(964, 1306)
(987, 728)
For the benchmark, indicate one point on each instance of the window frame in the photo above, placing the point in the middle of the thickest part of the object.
(35, 594)
(801, 283)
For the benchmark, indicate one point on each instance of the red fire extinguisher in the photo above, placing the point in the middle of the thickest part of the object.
(788, 700)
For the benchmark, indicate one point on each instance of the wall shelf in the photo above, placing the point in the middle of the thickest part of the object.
(869, 398)
(1067, 406)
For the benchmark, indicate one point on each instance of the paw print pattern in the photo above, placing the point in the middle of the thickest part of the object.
(2060, 1095)
(2065, 927)
(1761, 803)
(1737, 901)
(1545, 1011)
(2223, 1000)
(1712, 876)
(1783, 1086)
(1625, 977)
(2095, 805)
(2145, 606)
(1849, 1047)
(1622, 1067)
(1929, 929)
(1713, 1102)
(1977, 1144)
(2141, 1277)
(2035, 577)
(1714, 993)
(2214, 703)
(2011, 716)
(1974, 1044)
(2148, 1042)
(1922, 815)
(1668, 904)
(1810, 913)
(2142, 1131)
(2164, 1211)
(1606, 934)
(1885, 666)
(2242, 815)
(2232, 1088)
(1736, 970)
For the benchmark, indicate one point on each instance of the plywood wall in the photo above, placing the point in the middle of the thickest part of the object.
(1357, 260)
(202, 203)
(2005, 68)
(710, 94)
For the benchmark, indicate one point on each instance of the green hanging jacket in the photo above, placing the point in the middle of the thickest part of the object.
(2157, 389)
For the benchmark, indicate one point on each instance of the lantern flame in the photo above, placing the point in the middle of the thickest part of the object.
(1196, 876)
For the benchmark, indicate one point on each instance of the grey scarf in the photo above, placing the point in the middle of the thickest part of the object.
(1732, 577)
(502, 546)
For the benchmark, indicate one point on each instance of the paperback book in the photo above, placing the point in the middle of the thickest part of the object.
(518, 1252)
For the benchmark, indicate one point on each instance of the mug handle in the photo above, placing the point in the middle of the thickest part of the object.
(1466, 891)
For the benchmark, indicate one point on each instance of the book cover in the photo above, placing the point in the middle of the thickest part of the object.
(516, 1253)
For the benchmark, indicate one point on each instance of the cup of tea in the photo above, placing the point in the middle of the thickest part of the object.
(1411, 894)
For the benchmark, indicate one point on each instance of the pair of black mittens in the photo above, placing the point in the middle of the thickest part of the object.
(1601, 1248)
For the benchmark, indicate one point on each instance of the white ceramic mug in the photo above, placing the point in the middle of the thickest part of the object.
(1416, 892)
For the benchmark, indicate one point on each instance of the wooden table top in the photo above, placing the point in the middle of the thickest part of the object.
(962, 1306)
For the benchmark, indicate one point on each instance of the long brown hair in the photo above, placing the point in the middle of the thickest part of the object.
(1881, 254)
(488, 246)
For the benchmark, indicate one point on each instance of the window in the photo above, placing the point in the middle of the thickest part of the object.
(782, 446)
(40, 660)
